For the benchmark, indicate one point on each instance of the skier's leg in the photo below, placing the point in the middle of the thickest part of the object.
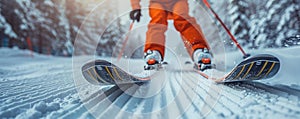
(191, 32)
(192, 35)
(155, 37)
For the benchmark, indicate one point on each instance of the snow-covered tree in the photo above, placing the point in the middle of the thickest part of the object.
(113, 35)
(52, 25)
(40, 21)
(239, 12)
(5, 27)
(262, 24)
(10, 20)
(282, 21)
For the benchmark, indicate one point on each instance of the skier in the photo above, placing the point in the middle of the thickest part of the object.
(162, 10)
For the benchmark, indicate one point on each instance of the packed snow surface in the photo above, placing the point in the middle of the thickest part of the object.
(38, 86)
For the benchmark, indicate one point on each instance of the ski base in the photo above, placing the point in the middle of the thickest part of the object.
(258, 67)
(101, 72)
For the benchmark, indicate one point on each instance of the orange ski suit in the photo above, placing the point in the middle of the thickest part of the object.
(162, 10)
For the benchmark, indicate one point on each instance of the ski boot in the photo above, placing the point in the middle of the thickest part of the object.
(202, 59)
(153, 60)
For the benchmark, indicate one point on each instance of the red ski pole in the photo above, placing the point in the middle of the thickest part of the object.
(227, 30)
(125, 42)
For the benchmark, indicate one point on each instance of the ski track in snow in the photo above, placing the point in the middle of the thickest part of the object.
(43, 87)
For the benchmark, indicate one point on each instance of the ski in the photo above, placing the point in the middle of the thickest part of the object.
(101, 72)
(257, 67)
(263, 66)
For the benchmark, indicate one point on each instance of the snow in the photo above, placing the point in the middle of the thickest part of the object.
(43, 87)
(40, 86)
(49, 2)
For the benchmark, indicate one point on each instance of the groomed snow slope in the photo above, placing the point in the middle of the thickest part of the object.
(43, 87)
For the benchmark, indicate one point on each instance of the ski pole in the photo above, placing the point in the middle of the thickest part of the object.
(227, 30)
(125, 42)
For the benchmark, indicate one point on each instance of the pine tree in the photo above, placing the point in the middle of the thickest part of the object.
(113, 32)
(48, 24)
(37, 20)
(263, 24)
(283, 23)
(12, 18)
(6, 31)
(239, 12)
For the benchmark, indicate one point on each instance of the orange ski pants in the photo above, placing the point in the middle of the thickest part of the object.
(178, 11)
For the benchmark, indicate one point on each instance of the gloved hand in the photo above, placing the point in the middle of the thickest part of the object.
(135, 15)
